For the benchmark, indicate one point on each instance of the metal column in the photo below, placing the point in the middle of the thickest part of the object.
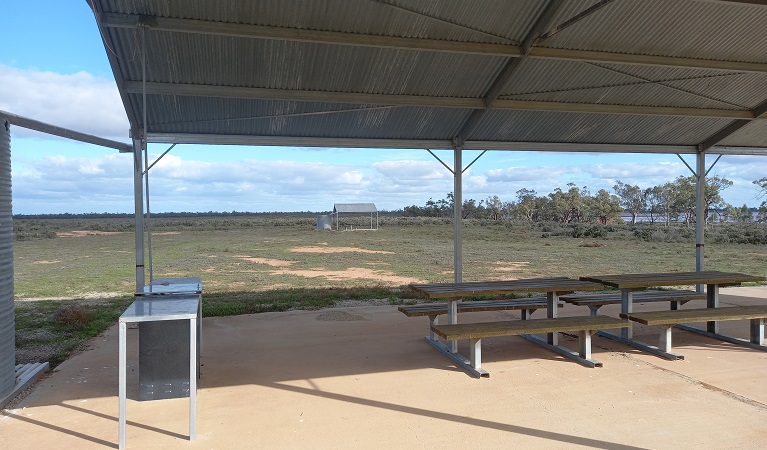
(457, 214)
(138, 198)
(700, 209)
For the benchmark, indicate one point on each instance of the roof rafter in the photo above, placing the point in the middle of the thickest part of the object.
(111, 20)
(759, 112)
(195, 90)
(512, 66)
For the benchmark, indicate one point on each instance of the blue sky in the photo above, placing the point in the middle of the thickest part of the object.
(54, 68)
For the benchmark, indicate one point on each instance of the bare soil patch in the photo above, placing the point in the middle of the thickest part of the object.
(510, 266)
(267, 261)
(336, 250)
(351, 274)
(81, 233)
(46, 262)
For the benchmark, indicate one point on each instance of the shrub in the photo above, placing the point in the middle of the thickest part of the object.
(74, 316)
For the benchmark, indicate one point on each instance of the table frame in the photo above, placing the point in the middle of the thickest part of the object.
(132, 316)
(630, 283)
(553, 287)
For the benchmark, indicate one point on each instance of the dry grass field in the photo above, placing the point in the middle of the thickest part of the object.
(80, 273)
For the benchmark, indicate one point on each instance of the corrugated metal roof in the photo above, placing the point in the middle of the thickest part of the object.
(389, 72)
(354, 208)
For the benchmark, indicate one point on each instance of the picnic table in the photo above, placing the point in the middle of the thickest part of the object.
(631, 283)
(552, 287)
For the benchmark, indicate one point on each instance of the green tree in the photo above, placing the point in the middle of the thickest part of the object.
(605, 208)
(632, 199)
(526, 205)
(494, 207)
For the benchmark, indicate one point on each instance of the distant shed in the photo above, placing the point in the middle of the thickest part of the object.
(357, 208)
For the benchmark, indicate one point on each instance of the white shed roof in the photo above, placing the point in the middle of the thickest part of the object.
(354, 208)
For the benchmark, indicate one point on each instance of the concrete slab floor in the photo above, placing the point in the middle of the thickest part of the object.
(362, 377)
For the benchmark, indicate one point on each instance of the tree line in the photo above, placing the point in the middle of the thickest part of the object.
(670, 202)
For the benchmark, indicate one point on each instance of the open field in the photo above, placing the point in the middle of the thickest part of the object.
(80, 272)
(91, 262)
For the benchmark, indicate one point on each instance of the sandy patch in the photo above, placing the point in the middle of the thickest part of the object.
(351, 273)
(46, 262)
(335, 250)
(267, 261)
(81, 233)
(510, 266)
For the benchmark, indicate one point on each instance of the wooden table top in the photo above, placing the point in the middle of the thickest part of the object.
(557, 284)
(644, 280)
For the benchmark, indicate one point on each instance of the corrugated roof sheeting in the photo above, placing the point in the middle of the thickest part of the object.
(534, 126)
(356, 16)
(198, 115)
(707, 30)
(752, 135)
(354, 208)
(691, 29)
(198, 59)
(582, 82)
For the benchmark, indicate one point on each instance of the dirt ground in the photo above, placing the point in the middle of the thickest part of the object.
(362, 377)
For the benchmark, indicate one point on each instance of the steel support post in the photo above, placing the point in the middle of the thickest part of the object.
(700, 211)
(457, 214)
(138, 198)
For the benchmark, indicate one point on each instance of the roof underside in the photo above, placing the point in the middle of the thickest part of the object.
(579, 75)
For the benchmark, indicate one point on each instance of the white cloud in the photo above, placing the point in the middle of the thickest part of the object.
(528, 173)
(78, 101)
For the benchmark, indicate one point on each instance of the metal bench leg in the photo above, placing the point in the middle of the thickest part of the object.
(526, 313)
(552, 311)
(585, 343)
(475, 356)
(594, 310)
(627, 306)
(757, 331)
(712, 300)
(433, 320)
(664, 340)
(452, 318)
(675, 305)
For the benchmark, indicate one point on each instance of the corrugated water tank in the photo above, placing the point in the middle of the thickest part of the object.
(324, 222)
(7, 323)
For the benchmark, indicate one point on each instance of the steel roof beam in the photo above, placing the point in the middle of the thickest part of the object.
(288, 141)
(502, 80)
(191, 138)
(759, 112)
(111, 20)
(303, 35)
(196, 90)
(31, 124)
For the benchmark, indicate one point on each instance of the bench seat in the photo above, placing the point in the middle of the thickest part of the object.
(595, 300)
(475, 332)
(667, 319)
(435, 309)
